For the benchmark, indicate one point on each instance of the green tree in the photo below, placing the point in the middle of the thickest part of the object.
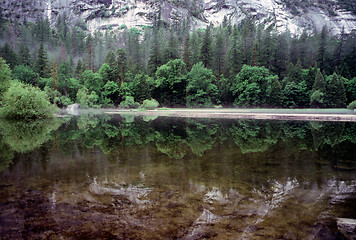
(154, 60)
(201, 92)
(26, 75)
(250, 88)
(92, 81)
(5, 77)
(24, 55)
(170, 83)
(335, 93)
(41, 64)
(9, 55)
(120, 66)
(317, 98)
(274, 92)
(141, 86)
(219, 55)
(106, 73)
(206, 52)
(350, 87)
(322, 54)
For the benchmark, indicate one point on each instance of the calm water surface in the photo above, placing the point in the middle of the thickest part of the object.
(126, 177)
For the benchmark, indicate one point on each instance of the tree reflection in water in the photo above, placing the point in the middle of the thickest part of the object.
(136, 177)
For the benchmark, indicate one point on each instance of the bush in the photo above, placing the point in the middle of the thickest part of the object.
(150, 104)
(352, 105)
(23, 101)
(129, 103)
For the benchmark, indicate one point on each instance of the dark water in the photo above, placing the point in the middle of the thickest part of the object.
(126, 177)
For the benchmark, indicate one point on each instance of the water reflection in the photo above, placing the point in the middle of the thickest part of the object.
(148, 178)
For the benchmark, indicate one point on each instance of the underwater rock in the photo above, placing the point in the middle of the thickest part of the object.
(347, 227)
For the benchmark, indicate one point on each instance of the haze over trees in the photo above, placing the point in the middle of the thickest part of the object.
(246, 65)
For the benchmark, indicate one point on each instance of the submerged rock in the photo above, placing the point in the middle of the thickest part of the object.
(347, 227)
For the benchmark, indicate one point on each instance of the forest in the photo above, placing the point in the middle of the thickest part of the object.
(246, 65)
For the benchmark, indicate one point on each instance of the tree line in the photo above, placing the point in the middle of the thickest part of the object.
(245, 65)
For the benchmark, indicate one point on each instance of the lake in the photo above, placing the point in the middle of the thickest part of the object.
(147, 177)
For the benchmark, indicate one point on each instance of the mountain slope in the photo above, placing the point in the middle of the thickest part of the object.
(101, 14)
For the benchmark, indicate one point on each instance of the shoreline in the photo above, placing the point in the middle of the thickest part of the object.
(342, 115)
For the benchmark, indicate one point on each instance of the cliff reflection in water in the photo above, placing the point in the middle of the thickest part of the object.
(145, 178)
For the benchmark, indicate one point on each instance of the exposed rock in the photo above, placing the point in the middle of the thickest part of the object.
(104, 14)
(347, 227)
(73, 109)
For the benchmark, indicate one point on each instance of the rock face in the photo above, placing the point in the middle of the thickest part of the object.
(103, 14)
(347, 227)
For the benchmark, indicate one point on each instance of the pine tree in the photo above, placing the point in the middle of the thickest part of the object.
(79, 69)
(335, 92)
(24, 55)
(205, 52)
(120, 65)
(219, 55)
(90, 52)
(9, 55)
(234, 55)
(155, 59)
(41, 65)
(317, 98)
(322, 49)
(186, 54)
(171, 51)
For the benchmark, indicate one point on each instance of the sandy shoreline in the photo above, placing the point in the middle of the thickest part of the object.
(272, 114)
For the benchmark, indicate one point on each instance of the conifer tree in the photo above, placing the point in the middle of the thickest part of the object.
(24, 55)
(120, 66)
(335, 92)
(155, 59)
(317, 98)
(219, 55)
(322, 49)
(234, 55)
(41, 65)
(186, 54)
(205, 52)
(9, 55)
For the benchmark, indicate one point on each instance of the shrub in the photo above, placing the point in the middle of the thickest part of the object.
(150, 104)
(129, 103)
(23, 101)
(352, 105)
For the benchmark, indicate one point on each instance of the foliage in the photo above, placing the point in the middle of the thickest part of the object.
(25, 136)
(150, 104)
(92, 81)
(129, 102)
(25, 74)
(350, 87)
(5, 77)
(335, 92)
(170, 83)
(253, 85)
(87, 99)
(201, 92)
(317, 99)
(145, 63)
(352, 105)
(141, 85)
(23, 101)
